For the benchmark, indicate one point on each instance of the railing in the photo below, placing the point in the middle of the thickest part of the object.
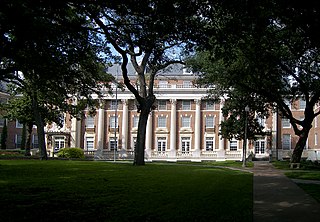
(159, 154)
(233, 154)
(209, 154)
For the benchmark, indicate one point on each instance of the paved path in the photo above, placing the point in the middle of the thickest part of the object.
(277, 198)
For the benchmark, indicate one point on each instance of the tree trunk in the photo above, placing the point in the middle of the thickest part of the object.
(23, 137)
(29, 138)
(142, 129)
(297, 152)
(40, 128)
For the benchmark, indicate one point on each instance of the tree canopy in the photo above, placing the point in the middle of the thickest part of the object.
(49, 52)
(270, 50)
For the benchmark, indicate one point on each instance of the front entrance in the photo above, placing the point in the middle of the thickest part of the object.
(260, 147)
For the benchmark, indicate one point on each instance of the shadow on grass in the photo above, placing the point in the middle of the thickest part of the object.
(100, 191)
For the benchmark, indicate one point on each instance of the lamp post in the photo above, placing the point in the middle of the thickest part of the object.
(246, 109)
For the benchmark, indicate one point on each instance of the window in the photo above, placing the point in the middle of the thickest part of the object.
(114, 104)
(285, 123)
(209, 105)
(162, 121)
(89, 143)
(286, 141)
(316, 139)
(209, 143)
(187, 84)
(59, 143)
(185, 121)
(185, 144)
(209, 122)
(288, 103)
(18, 124)
(2, 122)
(113, 143)
(261, 121)
(186, 105)
(162, 104)
(90, 122)
(163, 84)
(18, 141)
(233, 145)
(35, 141)
(162, 144)
(259, 146)
(302, 104)
(316, 122)
(134, 144)
(135, 121)
(113, 122)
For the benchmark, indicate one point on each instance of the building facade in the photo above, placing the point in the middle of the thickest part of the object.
(183, 126)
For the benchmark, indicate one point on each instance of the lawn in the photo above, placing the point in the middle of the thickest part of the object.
(99, 191)
(308, 171)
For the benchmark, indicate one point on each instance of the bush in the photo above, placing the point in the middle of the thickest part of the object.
(71, 153)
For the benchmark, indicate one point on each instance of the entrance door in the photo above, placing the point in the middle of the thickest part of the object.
(260, 146)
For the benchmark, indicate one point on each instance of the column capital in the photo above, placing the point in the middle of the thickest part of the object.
(125, 102)
(198, 101)
(173, 101)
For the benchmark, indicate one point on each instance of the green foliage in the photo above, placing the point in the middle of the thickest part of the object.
(71, 153)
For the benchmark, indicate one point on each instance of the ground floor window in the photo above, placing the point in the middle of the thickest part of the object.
(286, 141)
(59, 143)
(185, 144)
(18, 141)
(35, 141)
(89, 143)
(162, 143)
(209, 143)
(233, 145)
(113, 143)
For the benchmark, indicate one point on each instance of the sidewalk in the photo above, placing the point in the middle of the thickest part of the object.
(277, 198)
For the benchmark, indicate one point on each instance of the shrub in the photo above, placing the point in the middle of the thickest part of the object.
(71, 153)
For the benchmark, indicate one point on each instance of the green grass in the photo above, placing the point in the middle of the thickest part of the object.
(308, 171)
(312, 190)
(99, 191)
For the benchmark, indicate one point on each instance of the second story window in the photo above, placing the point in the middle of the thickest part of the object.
(209, 122)
(185, 121)
(285, 123)
(162, 121)
(113, 122)
(135, 121)
(90, 122)
(18, 124)
(302, 104)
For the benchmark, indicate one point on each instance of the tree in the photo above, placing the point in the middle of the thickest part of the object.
(54, 62)
(269, 49)
(145, 33)
(4, 135)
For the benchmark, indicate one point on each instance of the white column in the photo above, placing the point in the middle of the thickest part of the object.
(197, 129)
(221, 118)
(173, 130)
(221, 150)
(149, 136)
(75, 132)
(124, 134)
(100, 127)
